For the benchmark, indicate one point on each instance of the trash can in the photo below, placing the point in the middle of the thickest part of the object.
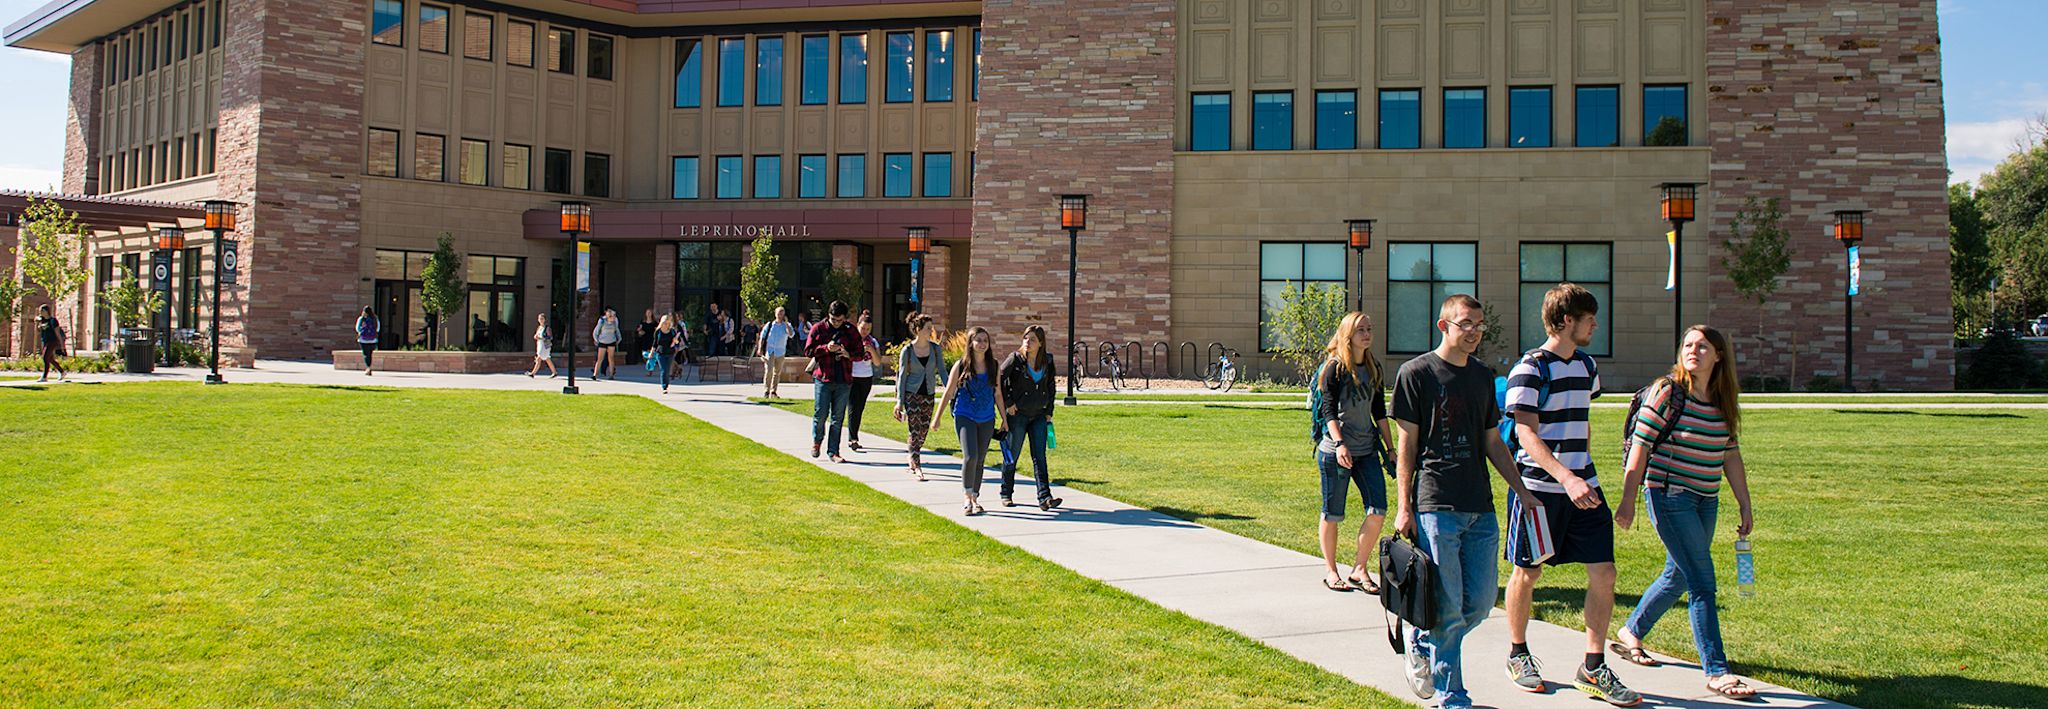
(139, 352)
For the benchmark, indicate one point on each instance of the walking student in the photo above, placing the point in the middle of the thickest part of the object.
(773, 348)
(643, 335)
(1350, 391)
(1698, 405)
(606, 335)
(366, 337)
(713, 332)
(1026, 377)
(664, 343)
(918, 368)
(543, 343)
(1550, 395)
(1444, 406)
(833, 344)
(50, 334)
(976, 402)
(863, 379)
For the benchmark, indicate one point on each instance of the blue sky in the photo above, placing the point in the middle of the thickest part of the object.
(1991, 69)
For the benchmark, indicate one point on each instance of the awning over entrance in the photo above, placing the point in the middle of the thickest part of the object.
(747, 224)
(103, 213)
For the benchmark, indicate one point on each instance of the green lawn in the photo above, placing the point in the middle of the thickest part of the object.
(172, 544)
(1902, 555)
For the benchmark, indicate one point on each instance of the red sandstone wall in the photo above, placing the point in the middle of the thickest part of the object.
(81, 124)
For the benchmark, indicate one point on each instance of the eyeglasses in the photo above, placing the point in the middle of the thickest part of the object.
(1468, 325)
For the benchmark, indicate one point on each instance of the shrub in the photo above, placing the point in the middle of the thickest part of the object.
(2003, 363)
(1826, 383)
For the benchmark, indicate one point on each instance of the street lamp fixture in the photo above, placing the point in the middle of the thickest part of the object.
(1849, 231)
(575, 223)
(170, 238)
(1360, 232)
(1073, 218)
(920, 244)
(1678, 205)
(220, 219)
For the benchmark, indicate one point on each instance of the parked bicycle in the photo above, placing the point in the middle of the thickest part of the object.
(1113, 368)
(1222, 372)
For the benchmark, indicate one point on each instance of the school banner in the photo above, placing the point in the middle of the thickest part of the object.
(1855, 269)
(1671, 272)
(583, 267)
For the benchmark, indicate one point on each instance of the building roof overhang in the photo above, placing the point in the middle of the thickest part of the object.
(104, 213)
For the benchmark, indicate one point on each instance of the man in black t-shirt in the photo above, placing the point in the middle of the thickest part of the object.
(1443, 402)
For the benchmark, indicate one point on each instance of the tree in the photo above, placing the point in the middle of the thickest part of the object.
(2013, 198)
(1302, 325)
(2022, 291)
(759, 294)
(1669, 132)
(442, 287)
(845, 284)
(130, 303)
(1757, 256)
(52, 242)
(1970, 266)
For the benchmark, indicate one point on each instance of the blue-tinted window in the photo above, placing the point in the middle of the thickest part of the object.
(810, 176)
(732, 71)
(853, 175)
(938, 174)
(1464, 118)
(387, 22)
(729, 177)
(1336, 120)
(768, 71)
(1660, 102)
(1209, 118)
(1529, 117)
(1599, 109)
(1419, 277)
(767, 176)
(853, 68)
(817, 69)
(938, 65)
(977, 65)
(1400, 119)
(899, 69)
(896, 175)
(689, 73)
(1273, 120)
(683, 181)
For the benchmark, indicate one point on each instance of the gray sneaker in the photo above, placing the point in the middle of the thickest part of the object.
(1603, 685)
(1420, 678)
(1526, 672)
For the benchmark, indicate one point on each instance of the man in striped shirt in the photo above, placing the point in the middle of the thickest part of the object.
(1550, 395)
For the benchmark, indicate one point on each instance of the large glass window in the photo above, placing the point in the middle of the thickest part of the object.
(683, 178)
(768, 71)
(387, 23)
(401, 313)
(102, 281)
(476, 35)
(1400, 119)
(428, 157)
(1591, 265)
(899, 69)
(190, 282)
(433, 28)
(853, 176)
(707, 272)
(1529, 117)
(767, 177)
(554, 171)
(938, 174)
(1464, 118)
(475, 166)
(1336, 120)
(729, 176)
(1664, 121)
(817, 69)
(810, 176)
(518, 43)
(518, 167)
(1599, 117)
(383, 156)
(1294, 265)
(561, 50)
(597, 58)
(496, 285)
(853, 68)
(1209, 122)
(1273, 120)
(938, 65)
(1419, 277)
(896, 175)
(597, 175)
(732, 71)
(689, 73)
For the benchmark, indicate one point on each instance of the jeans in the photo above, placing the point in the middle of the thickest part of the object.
(661, 360)
(974, 438)
(1337, 481)
(857, 404)
(1685, 522)
(1023, 428)
(1465, 547)
(828, 399)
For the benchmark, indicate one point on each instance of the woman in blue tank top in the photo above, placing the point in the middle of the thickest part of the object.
(975, 402)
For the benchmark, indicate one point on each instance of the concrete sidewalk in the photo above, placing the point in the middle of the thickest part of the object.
(1268, 593)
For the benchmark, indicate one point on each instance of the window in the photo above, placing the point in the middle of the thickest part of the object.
(1336, 120)
(597, 58)
(1599, 112)
(708, 272)
(475, 168)
(1419, 277)
(732, 70)
(1529, 117)
(102, 281)
(810, 176)
(1661, 103)
(428, 151)
(977, 65)
(188, 288)
(817, 70)
(433, 29)
(767, 177)
(383, 156)
(476, 35)
(1296, 265)
(199, 29)
(768, 71)
(179, 30)
(401, 314)
(1464, 118)
(896, 175)
(554, 171)
(387, 22)
(1273, 120)
(213, 142)
(853, 175)
(597, 175)
(898, 69)
(689, 73)
(561, 50)
(853, 68)
(938, 66)
(1209, 121)
(729, 177)
(938, 174)
(177, 159)
(1590, 265)
(495, 289)
(683, 178)
(518, 167)
(219, 11)
(1400, 119)
(518, 43)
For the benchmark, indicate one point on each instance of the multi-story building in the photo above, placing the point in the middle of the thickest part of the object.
(1500, 145)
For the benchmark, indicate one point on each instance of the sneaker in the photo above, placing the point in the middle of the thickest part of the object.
(1007, 502)
(1526, 672)
(1420, 678)
(1604, 686)
(42, 380)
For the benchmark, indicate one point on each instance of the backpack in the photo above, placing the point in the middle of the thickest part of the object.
(1677, 399)
(1318, 419)
(1500, 395)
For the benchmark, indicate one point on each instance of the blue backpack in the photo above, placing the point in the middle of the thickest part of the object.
(1500, 397)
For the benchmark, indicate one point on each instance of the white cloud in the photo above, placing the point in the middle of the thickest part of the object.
(1975, 148)
(41, 56)
(24, 177)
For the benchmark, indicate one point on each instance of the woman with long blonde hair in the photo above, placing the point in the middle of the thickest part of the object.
(1354, 437)
(976, 404)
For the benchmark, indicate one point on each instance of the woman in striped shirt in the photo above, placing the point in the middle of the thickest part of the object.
(1684, 478)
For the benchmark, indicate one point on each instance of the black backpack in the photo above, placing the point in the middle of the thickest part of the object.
(1675, 403)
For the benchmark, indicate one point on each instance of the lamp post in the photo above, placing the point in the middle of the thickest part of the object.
(220, 219)
(920, 244)
(1073, 218)
(575, 223)
(1678, 202)
(1849, 231)
(1360, 231)
(169, 241)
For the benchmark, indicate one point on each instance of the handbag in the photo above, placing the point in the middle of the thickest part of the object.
(1408, 581)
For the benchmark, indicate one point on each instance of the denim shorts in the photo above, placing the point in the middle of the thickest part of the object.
(1365, 473)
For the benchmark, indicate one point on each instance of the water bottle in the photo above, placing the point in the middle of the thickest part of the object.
(1745, 569)
(1051, 441)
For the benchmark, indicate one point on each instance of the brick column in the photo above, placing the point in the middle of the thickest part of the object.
(82, 124)
(937, 272)
(1828, 108)
(664, 279)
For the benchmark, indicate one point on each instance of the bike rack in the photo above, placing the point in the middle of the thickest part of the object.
(1185, 358)
(1162, 359)
(1137, 356)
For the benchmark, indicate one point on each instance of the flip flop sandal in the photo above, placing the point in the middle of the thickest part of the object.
(1367, 585)
(1635, 655)
(1728, 690)
(1340, 586)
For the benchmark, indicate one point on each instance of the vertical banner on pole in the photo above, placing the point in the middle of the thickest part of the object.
(1855, 269)
(160, 272)
(583, 267)
(230, 261)
(1671, 270)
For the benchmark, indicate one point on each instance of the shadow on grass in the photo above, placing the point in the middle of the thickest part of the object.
(356, 387)
(1197, 516)
(1932, 691)
(1946, 414)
